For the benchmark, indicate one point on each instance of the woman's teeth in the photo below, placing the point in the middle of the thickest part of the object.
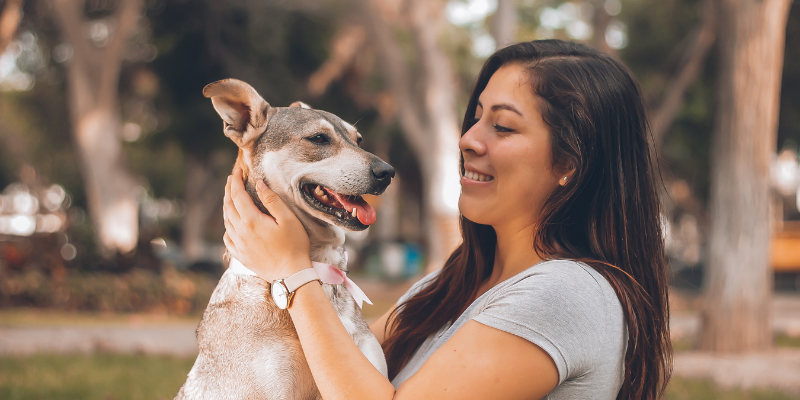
(477, 177)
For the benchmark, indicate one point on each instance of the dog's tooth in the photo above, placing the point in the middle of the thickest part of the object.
(318, 191)
(355, 212)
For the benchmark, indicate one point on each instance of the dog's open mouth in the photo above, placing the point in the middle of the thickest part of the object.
(345, 207)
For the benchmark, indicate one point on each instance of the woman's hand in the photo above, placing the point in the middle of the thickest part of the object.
(273, 246)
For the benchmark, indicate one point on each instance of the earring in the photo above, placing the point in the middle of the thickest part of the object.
(563, 181)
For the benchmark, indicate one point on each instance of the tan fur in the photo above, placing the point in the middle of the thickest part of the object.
(248, 348)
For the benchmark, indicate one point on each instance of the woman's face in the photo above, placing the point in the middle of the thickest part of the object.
(508, 171)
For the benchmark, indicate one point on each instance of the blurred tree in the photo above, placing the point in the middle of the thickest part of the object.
(739, 286)
(93, 84)
(10, 16)
(789, 125)
(504, 23)
(424, 98)
(686, 68)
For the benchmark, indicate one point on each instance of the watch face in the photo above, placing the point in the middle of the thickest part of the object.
(280, 295)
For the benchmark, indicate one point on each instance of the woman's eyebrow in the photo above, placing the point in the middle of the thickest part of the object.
(504, 106)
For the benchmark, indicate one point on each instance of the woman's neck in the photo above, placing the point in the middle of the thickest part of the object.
(514, 253)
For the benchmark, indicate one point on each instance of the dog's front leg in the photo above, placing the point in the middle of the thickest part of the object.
(372, 350)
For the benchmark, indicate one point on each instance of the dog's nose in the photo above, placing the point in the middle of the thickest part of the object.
(382, 171)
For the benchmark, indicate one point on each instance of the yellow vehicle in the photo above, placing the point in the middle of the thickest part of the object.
(785, 252)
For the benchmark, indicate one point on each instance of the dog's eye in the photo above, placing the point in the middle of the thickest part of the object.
(358, 140)
(319, 138)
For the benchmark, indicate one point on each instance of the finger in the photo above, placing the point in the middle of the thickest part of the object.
(230, 245)
(273, 203)
(227, 204)
(230, 227)
(241, 199)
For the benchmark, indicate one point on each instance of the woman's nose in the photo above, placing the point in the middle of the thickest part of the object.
(471, 141)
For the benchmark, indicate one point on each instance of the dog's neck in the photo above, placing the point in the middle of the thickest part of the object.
(327, 242)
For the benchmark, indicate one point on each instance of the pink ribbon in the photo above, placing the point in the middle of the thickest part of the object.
(334, 276)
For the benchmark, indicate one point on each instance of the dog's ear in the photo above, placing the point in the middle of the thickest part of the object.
(300, 104)
(244, 111)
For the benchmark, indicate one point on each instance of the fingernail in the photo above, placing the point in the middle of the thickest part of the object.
(261, 185)
(229, 179)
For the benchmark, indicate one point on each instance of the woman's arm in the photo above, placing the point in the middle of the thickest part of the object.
(340, 370)
(478, 362)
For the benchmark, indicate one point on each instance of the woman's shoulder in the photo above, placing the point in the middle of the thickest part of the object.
(419, 285)
(566, 308)
(560, 282)
(563, 270)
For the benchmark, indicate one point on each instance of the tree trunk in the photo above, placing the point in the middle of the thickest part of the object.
(442, 186)
(9, 22)
(428, 117)
(600, 21)
(504, 23)
(204, 194)
(92, 90)
(751, 40)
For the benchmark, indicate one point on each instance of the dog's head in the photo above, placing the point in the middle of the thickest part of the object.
(310, 158)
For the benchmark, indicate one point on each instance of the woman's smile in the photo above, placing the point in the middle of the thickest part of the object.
(472, 176)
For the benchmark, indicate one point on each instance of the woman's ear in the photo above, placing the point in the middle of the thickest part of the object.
(566, 174)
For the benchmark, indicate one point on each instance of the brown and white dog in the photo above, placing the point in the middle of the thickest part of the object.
(248, 347)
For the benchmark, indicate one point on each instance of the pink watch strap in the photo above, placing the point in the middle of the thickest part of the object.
(299, 279)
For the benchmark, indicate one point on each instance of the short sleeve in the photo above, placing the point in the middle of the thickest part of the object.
(564, 308)
(419, 285)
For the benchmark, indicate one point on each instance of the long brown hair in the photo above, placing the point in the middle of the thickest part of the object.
(606, 216)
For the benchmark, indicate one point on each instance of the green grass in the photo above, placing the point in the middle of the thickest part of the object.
(787, 341)
(697, 389)
(124, 377)
(98, 376)
(781, 340)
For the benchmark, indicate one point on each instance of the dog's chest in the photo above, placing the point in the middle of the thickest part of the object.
(249, 347)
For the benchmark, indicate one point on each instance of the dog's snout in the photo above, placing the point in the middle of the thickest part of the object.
(382, 171)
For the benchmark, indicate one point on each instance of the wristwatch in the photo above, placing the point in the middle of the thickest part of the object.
(283, 290)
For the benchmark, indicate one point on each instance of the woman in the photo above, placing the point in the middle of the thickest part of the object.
(559, 288)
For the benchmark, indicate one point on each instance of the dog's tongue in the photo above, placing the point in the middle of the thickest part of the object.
(366, 214)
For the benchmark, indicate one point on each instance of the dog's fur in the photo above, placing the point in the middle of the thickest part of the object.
(248, 348)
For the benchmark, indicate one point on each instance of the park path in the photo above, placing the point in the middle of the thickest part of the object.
(176, 340)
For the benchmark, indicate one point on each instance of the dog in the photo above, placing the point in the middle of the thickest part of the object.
(248, 347)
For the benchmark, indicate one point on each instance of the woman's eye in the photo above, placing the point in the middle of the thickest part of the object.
(319, 138)
(501, 128)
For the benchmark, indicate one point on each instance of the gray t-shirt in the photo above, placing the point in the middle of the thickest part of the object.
(566, 308)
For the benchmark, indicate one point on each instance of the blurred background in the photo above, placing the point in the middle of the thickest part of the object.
(113, 164)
